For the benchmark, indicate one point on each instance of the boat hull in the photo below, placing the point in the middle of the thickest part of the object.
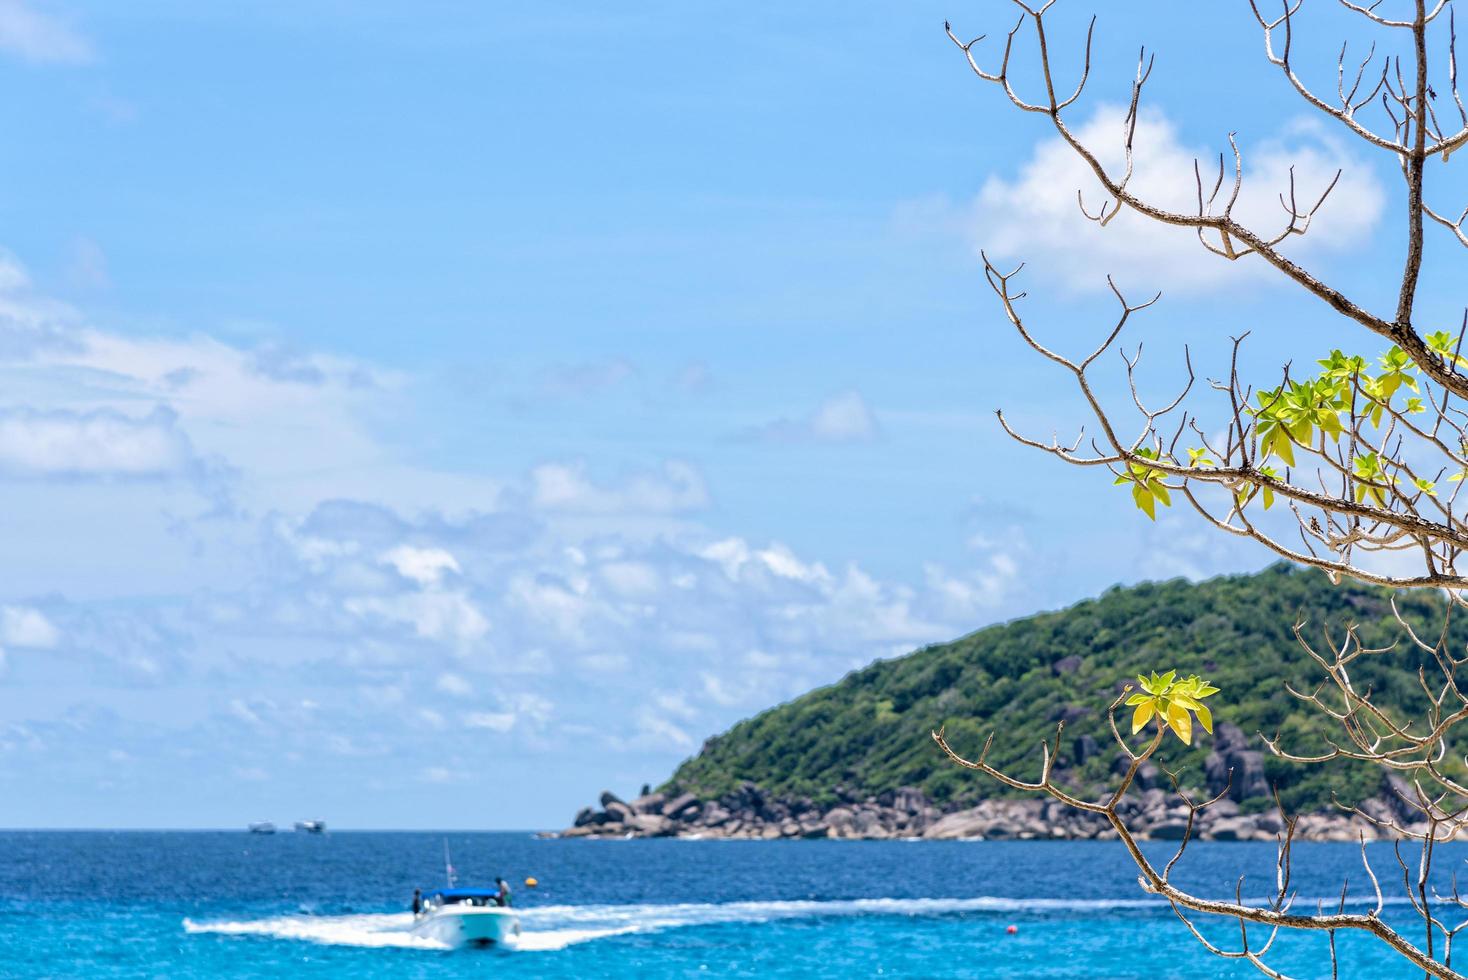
(463, 927)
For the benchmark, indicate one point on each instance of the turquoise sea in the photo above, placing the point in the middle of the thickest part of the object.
(227, 904)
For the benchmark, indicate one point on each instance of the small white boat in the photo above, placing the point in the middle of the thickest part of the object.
(460, 917)
(310, 826)
(263, 827)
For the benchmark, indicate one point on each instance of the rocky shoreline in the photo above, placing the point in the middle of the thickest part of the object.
(1148, 810)
(749, 814)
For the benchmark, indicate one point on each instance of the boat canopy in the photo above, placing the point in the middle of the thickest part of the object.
(464, 893)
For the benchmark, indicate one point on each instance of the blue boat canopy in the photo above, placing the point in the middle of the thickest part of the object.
(465, 893)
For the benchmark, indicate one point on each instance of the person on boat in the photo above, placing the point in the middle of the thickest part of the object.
(502, 897)
(417, 900)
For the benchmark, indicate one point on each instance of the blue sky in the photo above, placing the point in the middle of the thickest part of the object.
(429, 415)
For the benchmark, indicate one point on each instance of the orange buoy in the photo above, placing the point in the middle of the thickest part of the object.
(531, 882)
(1012, 930)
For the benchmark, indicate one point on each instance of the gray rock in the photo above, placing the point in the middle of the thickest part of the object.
(868, 824)
(649, 803)
(1228, 737)
(1249, 779)
(1235, 828)
(1215, 772)
(650, 824)
(869, 815)
(617, 811)
(1170, 829)
(608, 798)
(1269, 821)
(840, 819)
(1066, 665)
(964, 823)
(1399, 796)
(682, 807)
(1223, 808)
(586, 815)
(1148, 775)
(909, 800)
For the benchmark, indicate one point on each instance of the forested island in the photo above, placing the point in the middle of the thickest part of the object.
(856, 759)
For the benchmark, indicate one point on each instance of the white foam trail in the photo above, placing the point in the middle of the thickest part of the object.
(390, 930)
(554, 927)
(550, 940)
(664, 916)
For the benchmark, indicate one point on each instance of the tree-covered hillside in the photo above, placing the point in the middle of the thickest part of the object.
(870, 731)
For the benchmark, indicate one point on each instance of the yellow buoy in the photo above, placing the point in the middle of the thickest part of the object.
(531, 882)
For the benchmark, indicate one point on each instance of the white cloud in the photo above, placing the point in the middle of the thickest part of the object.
(631, 578)
(426, 566)
(244, 712)
(564, 487)
(1034, 216)
(438, 616)
(93, 444)
(441, 775)
(495, 721)
(676, 705)
(24, 626)
(661, 730)
(842, 418)
(366, 623)
(38, 37)
(454, 684)
(968, 596)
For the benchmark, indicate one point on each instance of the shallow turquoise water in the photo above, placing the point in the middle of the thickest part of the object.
(228, 904)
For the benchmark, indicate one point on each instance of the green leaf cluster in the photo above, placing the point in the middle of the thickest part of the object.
(1172, 704)
(1301, 412)
(1146, 482)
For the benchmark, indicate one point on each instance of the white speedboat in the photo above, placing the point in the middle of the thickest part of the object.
(310, 826)
(263, 827)
(461, 917)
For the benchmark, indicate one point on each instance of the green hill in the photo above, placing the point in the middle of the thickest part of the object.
(870, 731)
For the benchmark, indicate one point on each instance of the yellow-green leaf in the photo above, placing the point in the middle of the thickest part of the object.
(1142, 715)
(1181, 722)
(1282, 446)
(1144, 500)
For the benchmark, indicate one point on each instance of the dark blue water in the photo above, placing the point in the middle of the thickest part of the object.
(228, 904)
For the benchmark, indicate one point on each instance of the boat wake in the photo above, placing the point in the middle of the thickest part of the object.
(555, 927)
(388, 930)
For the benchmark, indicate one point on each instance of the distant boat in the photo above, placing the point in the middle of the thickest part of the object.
(310, 826)
(263, 827)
